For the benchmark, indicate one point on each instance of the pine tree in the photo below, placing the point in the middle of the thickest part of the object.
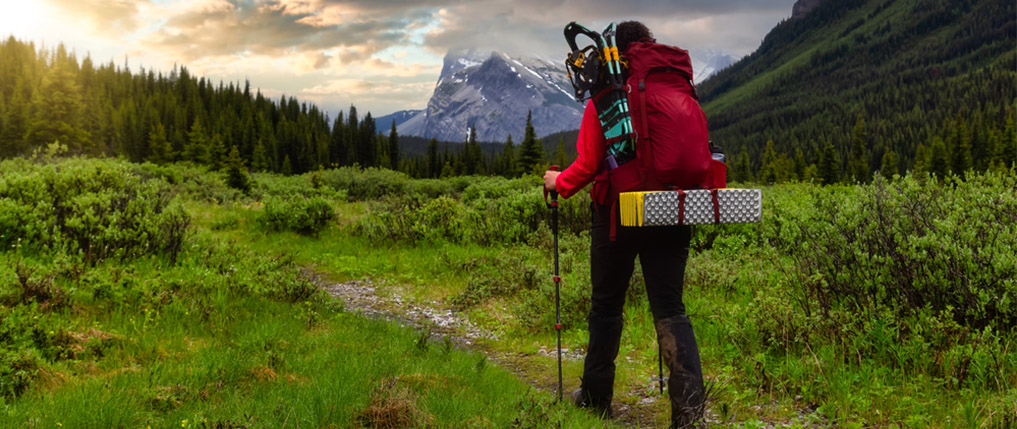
(432, 159)
(259, 159)
(15, 123)
(560, 157)
(508, 155)
(829, 164)
(236, 172)
(800, 165)
(447, 171)
(859, 167)
(367, 154)
(922, 160)
(160, 150)
(337, 144)
(352, 136)
(287, 167)
(56, 109)
(196, 149)
(742, 167)
(531, 154)
(216, 151)
(960, 147)
(1008, 153)
(888, 167)
(939, 158)
(768, 172)
(393, 147)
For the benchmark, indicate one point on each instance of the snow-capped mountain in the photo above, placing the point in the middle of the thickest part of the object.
(494, 91)
(706, 62)
(399, 118)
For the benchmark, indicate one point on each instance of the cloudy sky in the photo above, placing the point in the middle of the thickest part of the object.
(380, 55)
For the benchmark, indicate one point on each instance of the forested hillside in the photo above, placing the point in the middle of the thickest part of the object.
(858, 86)
(47, 95)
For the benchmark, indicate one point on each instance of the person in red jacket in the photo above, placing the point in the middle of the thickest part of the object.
(662, 252)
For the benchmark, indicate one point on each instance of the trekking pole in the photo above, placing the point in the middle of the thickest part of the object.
(553, 205)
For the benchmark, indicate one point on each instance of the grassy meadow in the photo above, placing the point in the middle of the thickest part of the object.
(137, 295)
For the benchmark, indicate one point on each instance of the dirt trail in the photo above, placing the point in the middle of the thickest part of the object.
(362, 297)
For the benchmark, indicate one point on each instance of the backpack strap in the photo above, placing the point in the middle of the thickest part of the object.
(716, 205)
(681, 206)
(643, 149)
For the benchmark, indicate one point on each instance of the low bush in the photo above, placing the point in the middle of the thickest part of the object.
(307, 216)
(92, 208)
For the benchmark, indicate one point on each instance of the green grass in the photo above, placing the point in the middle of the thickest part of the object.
(222, 360)
(233, 333)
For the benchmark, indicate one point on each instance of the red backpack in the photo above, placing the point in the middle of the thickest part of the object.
(672, 146)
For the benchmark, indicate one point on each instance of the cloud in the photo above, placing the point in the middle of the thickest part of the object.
(536, 26)
(119, 16)
(393, 47)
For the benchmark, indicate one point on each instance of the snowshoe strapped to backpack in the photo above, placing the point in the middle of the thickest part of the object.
(649, 86)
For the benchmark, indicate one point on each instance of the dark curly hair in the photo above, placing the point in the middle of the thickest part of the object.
(631, 31)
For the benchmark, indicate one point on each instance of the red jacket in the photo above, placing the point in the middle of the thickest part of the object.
(591, 147)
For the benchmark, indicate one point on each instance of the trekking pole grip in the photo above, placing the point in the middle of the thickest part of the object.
(553, 202)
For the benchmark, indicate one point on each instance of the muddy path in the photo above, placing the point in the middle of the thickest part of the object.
(362, 297)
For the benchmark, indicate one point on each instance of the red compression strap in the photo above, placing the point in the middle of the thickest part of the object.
(681, 207)
(716, 206)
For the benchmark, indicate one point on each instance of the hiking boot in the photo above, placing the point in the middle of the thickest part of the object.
(685, 384)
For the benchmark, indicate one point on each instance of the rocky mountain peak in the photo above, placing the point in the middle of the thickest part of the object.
(803, 7)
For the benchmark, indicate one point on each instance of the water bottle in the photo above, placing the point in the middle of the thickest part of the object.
(717, 153)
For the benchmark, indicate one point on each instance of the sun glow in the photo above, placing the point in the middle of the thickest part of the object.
(23, 19)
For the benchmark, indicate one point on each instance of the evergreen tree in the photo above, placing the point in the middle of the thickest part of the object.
(259, 159)
(531, 154)
(367, 154)
(888, 167)
(560, 157)
(352, 136)
(769, 172)
(508, 155)
(922, 160)
(160, 150)
(217, 151)
(859, 160)
(393, 147)
(337, 144)
(742, 167)
(800, 165)
(15, 123)
(287, 167)
(432, 159)
(56, 109)
(939, 158)
(196, 149)
(447, 171)
(1008, 153)
(236, 172)
(811, 174)
(829, 164)
(960, 147)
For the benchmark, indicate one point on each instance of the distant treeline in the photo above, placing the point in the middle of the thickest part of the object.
(47, 96)
(859, 86)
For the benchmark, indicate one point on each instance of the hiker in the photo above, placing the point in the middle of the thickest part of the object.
(662, 252)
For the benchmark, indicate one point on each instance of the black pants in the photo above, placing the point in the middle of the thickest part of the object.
(662, 252)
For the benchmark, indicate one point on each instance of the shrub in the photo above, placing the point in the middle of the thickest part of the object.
(306, 216)
(365, 184)
(93, 208)
(911, 246)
